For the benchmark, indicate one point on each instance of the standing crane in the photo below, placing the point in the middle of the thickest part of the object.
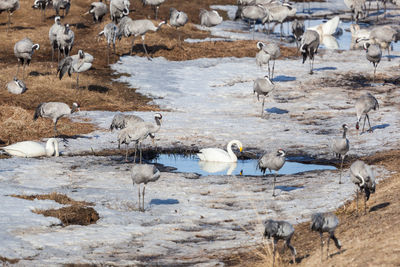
(65, 40)
(373, 54)
(177, 19)
(364, 104)
(135, 28)
(272, 52)
(110, 32)
(280, 230)
(340, 146)
(254, 13)
(54, 29)
(76, 63)
(155, 4)
(10, 6)
(263, 86)
(98, 10)
(143, 174)
(54, 111)
(309, 47)
(272, 161)
(363, 177)
(298, 29)
(119, 9)
(23, 51)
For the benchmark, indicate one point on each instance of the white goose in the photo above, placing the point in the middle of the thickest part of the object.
(30, 149)
(220, 155)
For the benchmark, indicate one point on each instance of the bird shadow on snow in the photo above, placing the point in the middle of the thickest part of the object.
(379, 206)
(283, 78)
(277, 110)
(169, 201)
(391, 56)
(288, 188)
(381, 126)
(325, 68)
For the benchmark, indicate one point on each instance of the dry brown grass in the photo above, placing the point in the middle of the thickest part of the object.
(77, 213)
(368, 240)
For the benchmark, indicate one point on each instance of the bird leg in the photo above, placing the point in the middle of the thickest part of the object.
(375, 65)
(145, 50)
(133, 42)
(281, 30)
(108, 53)
(140, 152)
(273, 190)
(156, 11)
(9, 21)
(370, 128)
(269, 70)
(322, 244)
(388, 49)
(365, 204)
(365, 117)
(327, 247)
(262, 107)
(77, 81)
(126, 152)
(17, 69)
(341, 166)
(23, 71)
(254, 27)
(144, 188)
(139, 196)
(134, 157)
(273, 68)
(311, 65)
(357, 201)
(274, 252)
(292, 249)
(55, 129)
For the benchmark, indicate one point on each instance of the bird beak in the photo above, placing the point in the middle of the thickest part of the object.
(240, 149)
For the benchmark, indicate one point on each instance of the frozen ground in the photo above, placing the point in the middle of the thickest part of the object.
(190, 219)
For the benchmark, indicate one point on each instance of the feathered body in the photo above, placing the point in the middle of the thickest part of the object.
(121, 121)
(325, 222)
(65, 40)
(76, 63)
(119, 9)
(383, 36)
(364, 104)
(209, 18)
(24, 49)
(270, 51)
(357, 8)
(256, 12)
(65, 5)
(30, 149)
(327, 28)
(280, 230)
(263, 86)
(16, 86)
(358, 36)
(340, 146)
(309, 46)
(98, 10)
(220, 155)
(9, 5)
(272, 161)
(363, 176)
(298, 29)
(177, 18)
(54, 29)
(143, 174)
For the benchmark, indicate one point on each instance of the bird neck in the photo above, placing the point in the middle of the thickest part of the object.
(344, 133)
(230, 152)
(52, 148)
(159, 25)
(74, 109)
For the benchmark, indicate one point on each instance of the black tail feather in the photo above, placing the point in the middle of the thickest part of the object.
(37, 112)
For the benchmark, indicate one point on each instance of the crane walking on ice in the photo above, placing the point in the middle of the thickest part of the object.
(23, 51)
(373, 54)
(143, 174)
(340, 147)
(365, 104)
(309, 46)
(54, 111)
(298, 29)
(280, 230)
(325, 222)
(272, 161)
(363, 177)
(254, 13)
(263, 86)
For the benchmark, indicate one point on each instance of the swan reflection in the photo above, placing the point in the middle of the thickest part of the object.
(213, 166)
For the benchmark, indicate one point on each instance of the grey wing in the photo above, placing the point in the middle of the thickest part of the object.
(64, 66)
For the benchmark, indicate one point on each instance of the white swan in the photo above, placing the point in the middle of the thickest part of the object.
(30, 149)
(219, 155)
(327, 28)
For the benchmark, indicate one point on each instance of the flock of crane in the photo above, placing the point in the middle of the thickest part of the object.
(134, 129)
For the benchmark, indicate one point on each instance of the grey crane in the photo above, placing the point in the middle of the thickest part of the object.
(363, 177)
(155, 4)
(23, 50)
(357, 8)
(364, 104)
(280, 230)
(298, 29)
(65, 40)
(110, 32)
(76, 63)
(119, 9)
(340, 146)
(137, 133)
(272, 161)
(373, 54)
(56, 27)
(143, 174)
(273, 52)
(383, 36)
(54, 111)
(177, 19)
(98, 10)
(325, 222)
(279, 13)
(42, 5)
(10, 6)
(263, 86)
(209, 18)
(65, 5)
(121, 121)
(16, 86)
(254, 13)
(137, 28)
(309, 46)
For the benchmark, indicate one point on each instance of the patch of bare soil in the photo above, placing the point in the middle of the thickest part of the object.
(77, 213)
(368, 240)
